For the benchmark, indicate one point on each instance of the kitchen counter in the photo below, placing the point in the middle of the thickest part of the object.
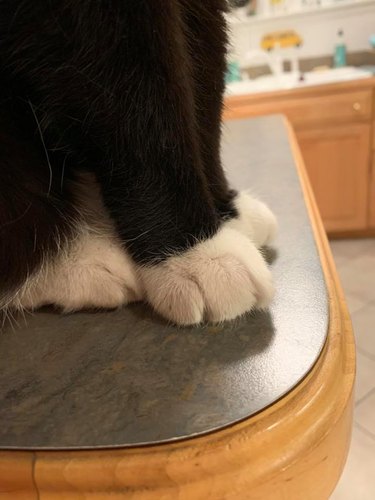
(265, 396)
(279, 92)
(295, 81)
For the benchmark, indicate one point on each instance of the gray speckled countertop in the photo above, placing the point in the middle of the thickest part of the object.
(125, 378)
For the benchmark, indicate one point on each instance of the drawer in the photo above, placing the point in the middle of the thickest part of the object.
(330, 108)
(308, 110)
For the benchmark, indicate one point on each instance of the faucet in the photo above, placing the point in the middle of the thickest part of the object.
(273, 60)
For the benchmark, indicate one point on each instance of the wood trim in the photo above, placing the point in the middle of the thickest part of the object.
(295, 448)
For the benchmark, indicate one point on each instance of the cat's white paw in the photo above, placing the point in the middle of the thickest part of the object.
(216, 280)
(95, 272)
(255, 219)
(92, 271)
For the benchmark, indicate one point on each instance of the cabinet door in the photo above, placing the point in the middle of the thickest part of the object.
(337, 160)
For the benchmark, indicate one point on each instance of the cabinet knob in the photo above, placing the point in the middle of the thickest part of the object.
(356, 106)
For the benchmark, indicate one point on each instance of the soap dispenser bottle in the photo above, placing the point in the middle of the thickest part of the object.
(339, 59)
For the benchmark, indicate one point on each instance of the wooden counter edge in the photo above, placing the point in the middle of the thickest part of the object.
(294, 449)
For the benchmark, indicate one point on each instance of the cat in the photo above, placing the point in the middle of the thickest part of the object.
(111, 183)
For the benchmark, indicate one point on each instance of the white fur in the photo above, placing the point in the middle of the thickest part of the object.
(216, 280)
(92, 271)
(255, 219)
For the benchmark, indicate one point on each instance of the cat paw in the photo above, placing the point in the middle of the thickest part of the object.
(94, 273)
(216, 280)
(255, 220)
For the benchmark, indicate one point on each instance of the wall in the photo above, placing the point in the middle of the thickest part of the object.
(318, 29)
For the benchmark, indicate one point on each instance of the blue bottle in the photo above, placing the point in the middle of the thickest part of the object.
(233, 73)
(339, 59)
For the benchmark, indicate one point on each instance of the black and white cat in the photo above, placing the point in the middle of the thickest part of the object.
(111, 187)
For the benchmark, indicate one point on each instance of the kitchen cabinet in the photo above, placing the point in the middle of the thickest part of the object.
(337, 159)
(334, 127)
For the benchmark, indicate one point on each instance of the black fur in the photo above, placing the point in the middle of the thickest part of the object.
(129, 89)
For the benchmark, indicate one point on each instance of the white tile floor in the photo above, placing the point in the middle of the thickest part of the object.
(355, 260)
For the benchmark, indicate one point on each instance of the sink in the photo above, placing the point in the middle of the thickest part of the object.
(287, 81)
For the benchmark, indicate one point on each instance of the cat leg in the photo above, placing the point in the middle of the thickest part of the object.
(192, 267)
(206, 38)
(57, 243)
(92, 269)
(120, 101)
(33, 219)
(205, 29)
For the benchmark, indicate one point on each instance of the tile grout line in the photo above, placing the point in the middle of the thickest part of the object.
(370, 303)
(348, 293)
(346, 260)
(366, 396)
(362, 351)
(365, 431)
